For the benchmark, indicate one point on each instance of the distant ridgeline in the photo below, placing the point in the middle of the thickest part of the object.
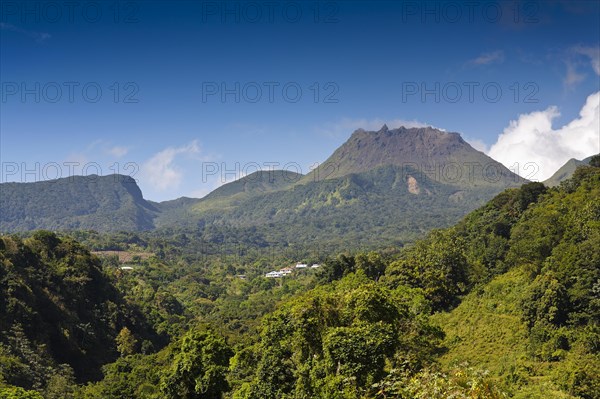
(566, 171)
(103, 203)
(389, 186)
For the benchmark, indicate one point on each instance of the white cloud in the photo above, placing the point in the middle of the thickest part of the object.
(118, 151)
(579, 57)
(593, 53)
(37, 36)
(488, 58)
(160, 172)
(531, 139)
(346, 126)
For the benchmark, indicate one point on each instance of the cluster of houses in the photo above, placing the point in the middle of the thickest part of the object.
(288, 270)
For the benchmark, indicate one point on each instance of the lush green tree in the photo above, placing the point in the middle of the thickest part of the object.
(62, 384)
(58, 306)
(437, 265)
(126, 342)
(338, 267)
(372, 264)
(546, 301)
(19, 393)
(199, 368)
(529, 193)
(336, 340)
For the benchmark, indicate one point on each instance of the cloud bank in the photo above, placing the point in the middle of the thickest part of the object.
(532, 139)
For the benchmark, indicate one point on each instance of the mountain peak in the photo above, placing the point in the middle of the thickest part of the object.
(427, 149)
(566, 171)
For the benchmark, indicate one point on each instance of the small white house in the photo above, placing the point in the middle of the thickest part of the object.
(315, 266)
(126, 268)
(274, 274)
(301, 265)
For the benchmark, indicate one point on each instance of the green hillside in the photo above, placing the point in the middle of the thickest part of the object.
(60, 314)
(184, 211)
(256, 183)
(513, 288)
(566, 171)
(104, 203)
(388, 205)
(536, 327)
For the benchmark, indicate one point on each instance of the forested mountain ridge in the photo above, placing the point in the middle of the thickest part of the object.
(259, 182)
(379, 188)
(389, 204)
(536, 324)
(104, 203)
(399, 183)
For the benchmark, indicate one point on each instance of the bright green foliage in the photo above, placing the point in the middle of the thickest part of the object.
(486, 232)
(335, 341)
(359, 352)
(126, 342)
(134, 376)
(459, 383)
(537, 327)
(58, 307)
(19, 393)
(579, 376)
(370, 263)
(198, 370)
(546, 302)
(437, 265)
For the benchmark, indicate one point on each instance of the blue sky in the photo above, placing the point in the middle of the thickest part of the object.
(185, 95)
